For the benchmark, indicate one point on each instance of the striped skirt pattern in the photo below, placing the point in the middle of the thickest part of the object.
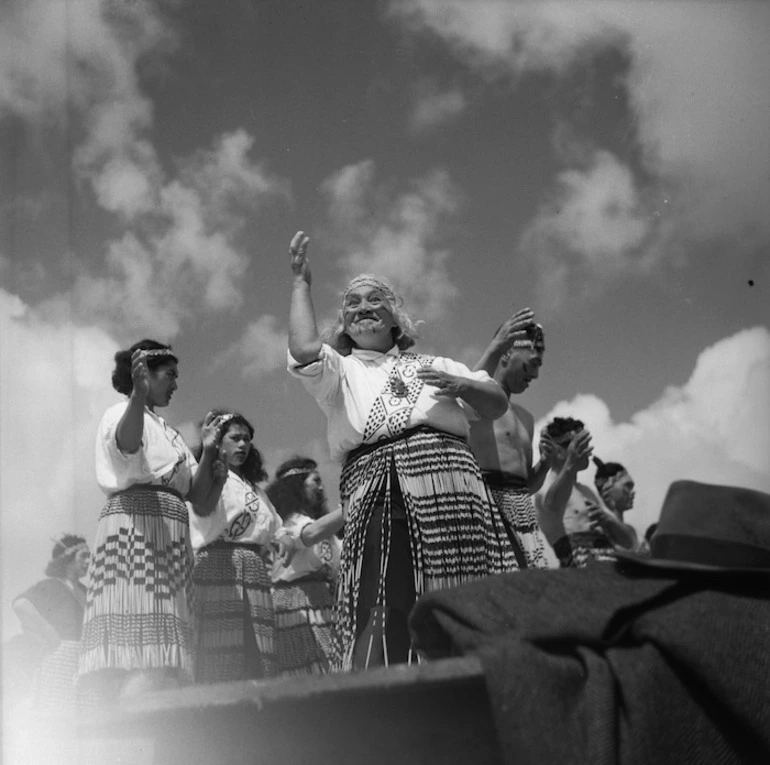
(456, 532)
(139, 604)
(303, 626)
(590, 546)
(234, 609)
(519, 515)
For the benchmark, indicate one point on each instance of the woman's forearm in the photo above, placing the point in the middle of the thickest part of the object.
(322, 528)
(304, 340)
(131, 426)
(487, 398)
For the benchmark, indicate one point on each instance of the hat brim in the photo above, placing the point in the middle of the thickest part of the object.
(685, 567)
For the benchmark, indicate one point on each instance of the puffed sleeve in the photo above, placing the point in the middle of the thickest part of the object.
(322, 377)
(116, 469)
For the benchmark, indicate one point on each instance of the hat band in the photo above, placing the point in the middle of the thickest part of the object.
(709, 552)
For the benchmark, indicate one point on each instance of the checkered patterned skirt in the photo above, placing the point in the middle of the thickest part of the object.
(303, 621)
(456, 532)
(234, 613)
(140, 594)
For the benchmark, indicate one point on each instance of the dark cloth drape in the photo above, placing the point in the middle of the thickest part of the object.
(594, 666)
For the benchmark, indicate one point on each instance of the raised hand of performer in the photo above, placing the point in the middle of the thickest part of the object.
(211, 474)
(130, 429)
(579, 451)
(547, 448)
(298, 250)
(487, 398)
(304, 340)
(140, 375)
(211, 432)
(513, 329)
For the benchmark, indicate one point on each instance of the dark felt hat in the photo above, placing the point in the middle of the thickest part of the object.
(709, 528)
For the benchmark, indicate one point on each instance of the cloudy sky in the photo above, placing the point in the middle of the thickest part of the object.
(606, 163)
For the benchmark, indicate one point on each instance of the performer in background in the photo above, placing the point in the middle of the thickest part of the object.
(570, 509)
(137, 633)
(51, 616)
(503, 447)
(305, 576)
(419, 517)
(233, 543)
(616, 487)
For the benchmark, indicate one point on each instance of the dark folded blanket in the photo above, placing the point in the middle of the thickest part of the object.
(594, 666)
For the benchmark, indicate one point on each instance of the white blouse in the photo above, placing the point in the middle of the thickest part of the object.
(346, 387)
(163, 459)
(243, 514)
(323, 557)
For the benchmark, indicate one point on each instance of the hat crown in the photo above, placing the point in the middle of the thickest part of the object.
(710, 525)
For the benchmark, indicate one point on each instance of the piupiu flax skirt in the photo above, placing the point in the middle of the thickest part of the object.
(234, 609)
(139, 606)
(456, 533)
(303, 625)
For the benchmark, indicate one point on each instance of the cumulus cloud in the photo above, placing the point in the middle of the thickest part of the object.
(80, 58)
(715, 428)
(261, 349)
(694, 84)
(435, 105)
(182, 257)
(178, 251)
(593, 227)
(395, 235)
(54, 388)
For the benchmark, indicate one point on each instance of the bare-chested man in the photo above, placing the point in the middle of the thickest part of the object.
(503, 447)
(572, 516)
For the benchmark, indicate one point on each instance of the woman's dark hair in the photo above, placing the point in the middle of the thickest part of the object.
(287, 490)
(63, 554)
(121, 375)
(253, 469)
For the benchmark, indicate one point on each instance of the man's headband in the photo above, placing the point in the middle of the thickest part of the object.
(159, 352)
(534, 340)
(605, 482)
(368, 280)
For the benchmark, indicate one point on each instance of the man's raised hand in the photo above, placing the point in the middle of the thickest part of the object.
(515, 328)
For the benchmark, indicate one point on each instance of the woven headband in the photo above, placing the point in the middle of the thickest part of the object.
(297, 471)
(159, 352)
(368, 280)
(534, 340)
(607, 482)
(69, 551)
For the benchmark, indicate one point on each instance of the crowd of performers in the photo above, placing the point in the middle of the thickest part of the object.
(204, 571)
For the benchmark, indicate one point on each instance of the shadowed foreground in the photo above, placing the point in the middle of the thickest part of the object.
(434, 712)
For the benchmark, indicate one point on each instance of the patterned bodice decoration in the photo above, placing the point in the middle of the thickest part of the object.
(390, 411)
(178, 445)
